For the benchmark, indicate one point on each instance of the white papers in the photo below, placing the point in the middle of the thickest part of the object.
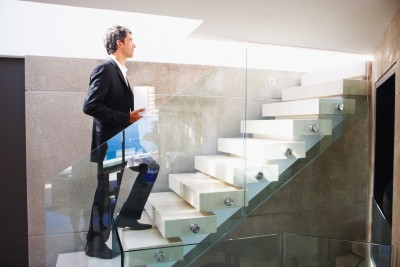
(144, 97)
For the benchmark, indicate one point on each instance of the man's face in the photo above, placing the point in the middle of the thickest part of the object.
(127, 46)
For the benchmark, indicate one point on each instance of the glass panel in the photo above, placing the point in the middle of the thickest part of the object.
(315, 145)
(320, 252)
(154, 155)
(380, 228)
(245, 252)
(79, 206)
(179, 152)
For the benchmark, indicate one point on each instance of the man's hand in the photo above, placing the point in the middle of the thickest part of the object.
(135, 115)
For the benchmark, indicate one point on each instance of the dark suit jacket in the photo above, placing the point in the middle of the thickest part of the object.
(109, 100)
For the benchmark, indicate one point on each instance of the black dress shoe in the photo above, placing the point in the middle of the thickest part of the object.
(131, 223)
(99, 250)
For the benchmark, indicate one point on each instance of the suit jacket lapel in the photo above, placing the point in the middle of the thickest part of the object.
(121, 76)
(125, 82)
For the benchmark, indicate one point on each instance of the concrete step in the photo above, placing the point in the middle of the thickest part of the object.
(286, 127)
(309, 107)
(350, 260)
(174, 217)
(79, 259)
(262, 149)
(328, 89)
(142, 247)
(236, 171)
(206, 193)
(358, 70)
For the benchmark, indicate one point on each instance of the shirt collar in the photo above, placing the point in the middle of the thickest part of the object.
(121, 67)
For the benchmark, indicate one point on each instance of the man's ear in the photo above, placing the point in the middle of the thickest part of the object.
(119, 43)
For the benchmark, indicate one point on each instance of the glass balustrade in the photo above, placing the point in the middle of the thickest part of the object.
(190, 170)
(148, 171)
(315, 145)
(381, 229)
(273, 251)
(310, 251)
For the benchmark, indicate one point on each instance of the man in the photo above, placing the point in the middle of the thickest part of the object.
(109, 101)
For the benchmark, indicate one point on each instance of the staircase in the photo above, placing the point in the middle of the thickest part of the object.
(200, 203)
(203, 206)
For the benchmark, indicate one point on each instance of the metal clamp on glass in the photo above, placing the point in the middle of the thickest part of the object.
(259, 175)
(229, 201)
(160, 256)
(340, 107)
(195, 228)
(314, 128)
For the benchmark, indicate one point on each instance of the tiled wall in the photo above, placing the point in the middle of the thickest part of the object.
(58, 133)
(386, 55)
(388, 50)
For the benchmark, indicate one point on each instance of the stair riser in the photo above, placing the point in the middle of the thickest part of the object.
(173, 216)
(148, 256)
(235, 175)
(206, 201)
(181, 226)
(262, 152)
(287, 128)
(308, 107)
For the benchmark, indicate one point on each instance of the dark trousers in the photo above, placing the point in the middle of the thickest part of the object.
(102, 209)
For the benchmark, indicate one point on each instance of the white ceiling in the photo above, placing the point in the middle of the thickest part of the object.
(354, 26)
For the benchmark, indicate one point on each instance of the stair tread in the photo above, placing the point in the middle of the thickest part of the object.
(145, 239)
(173, 216)
(172, 207)
(202, 183)
(332, 88)
(204, 192)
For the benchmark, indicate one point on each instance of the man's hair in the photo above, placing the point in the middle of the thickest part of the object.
(112, 35)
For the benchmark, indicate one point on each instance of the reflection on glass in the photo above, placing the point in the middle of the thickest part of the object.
(316, 251)
(113, 183)
(109, 189)
(110, 159)
(251, 251)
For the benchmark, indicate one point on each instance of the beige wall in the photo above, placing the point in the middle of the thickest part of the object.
(386, 55)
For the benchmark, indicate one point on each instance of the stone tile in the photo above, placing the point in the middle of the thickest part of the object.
(58, 74)
(386, 54)
(388, 50)
(166, 78)
(258, 85)
(346, 223)
(57, 135)
(37, 251)
(247, 252)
